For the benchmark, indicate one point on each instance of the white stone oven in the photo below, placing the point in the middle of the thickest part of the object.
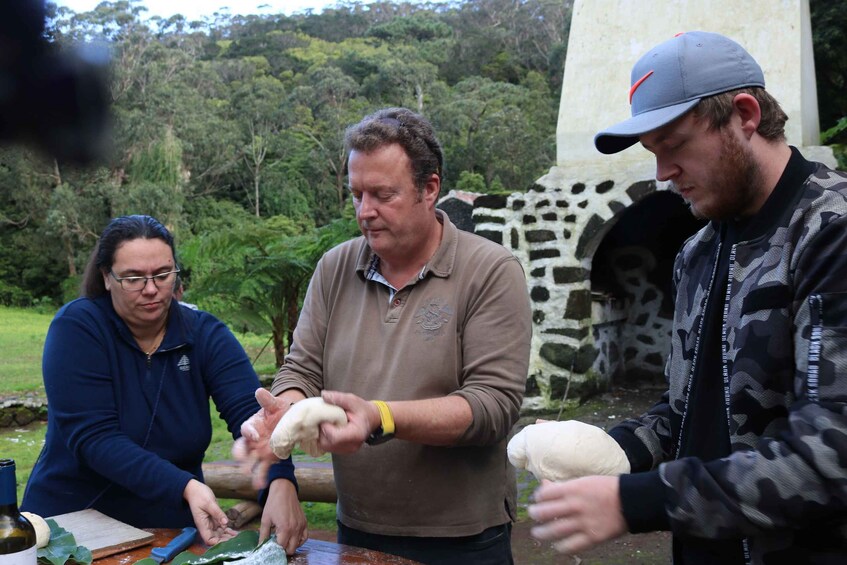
(598, 261)
(597, 236)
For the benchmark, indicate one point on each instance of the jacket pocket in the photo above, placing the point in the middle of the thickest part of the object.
(767, 298)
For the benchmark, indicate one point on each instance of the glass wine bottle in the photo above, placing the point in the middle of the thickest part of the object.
(17, 536)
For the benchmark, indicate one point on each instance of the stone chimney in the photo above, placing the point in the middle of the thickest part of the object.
(597, 234)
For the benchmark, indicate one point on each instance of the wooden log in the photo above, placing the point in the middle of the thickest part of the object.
(242, 513)
(315, 480)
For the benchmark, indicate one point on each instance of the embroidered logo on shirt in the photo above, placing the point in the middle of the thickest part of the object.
(184, 364)
(432, 318)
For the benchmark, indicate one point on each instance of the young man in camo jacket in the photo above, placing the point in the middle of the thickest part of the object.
(744, 458)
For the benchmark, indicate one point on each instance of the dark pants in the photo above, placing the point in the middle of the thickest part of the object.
(490, 547)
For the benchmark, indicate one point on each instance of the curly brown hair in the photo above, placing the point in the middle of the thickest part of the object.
(411, 131)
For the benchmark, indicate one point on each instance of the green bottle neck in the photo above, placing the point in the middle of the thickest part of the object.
(8, 488)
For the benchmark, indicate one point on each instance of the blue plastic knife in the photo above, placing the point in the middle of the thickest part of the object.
(179, 543)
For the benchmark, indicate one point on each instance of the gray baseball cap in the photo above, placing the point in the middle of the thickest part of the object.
(673, 77)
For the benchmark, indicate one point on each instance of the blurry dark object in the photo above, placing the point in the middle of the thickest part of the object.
(57, 101)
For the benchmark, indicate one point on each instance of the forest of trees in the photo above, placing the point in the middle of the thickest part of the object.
(230, 130)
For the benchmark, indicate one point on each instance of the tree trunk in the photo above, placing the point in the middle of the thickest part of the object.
(293, 314)
(70, 251)
(279, 345)
(256, 188)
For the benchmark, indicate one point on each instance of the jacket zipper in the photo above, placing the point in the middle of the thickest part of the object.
(725, 371)
(724, 344)
(703, 306)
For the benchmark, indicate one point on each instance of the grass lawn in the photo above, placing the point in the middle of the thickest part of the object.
(22, 334)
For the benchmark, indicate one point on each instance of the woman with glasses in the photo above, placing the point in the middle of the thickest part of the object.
(128, 373)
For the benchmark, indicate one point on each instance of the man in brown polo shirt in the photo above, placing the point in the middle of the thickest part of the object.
(419, 327)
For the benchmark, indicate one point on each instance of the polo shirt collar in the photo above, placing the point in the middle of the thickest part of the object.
(442, 261)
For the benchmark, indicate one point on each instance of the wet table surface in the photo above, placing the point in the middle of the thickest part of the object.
(313, 552)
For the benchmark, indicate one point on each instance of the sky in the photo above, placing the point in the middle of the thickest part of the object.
(196, 9)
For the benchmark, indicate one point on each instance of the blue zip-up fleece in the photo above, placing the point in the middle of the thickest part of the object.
(126, 432)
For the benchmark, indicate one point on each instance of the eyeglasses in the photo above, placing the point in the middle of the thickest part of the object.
(136, 284)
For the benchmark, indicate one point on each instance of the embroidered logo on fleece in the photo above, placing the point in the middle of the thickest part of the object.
(431, 318)
(184, 364)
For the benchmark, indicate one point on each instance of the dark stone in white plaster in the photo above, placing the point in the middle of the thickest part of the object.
(641, 189)
(592, 229)
(579, 305)
(539, 236)
(539, 294)
(486, 219)
(495, 236)
(543, 254)
(604, 187)
(564, 275)
(616, 207)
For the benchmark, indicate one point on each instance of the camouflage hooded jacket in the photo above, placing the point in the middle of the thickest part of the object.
(784, 362)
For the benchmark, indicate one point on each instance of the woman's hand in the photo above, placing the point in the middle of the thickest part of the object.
(211, 522)
(284, 514)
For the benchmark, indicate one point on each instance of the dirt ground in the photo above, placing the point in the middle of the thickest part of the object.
(644, 549)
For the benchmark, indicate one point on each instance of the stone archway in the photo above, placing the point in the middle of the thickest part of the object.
(631, 280)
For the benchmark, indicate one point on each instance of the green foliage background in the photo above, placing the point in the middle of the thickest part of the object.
(234, 125)
(230, 130)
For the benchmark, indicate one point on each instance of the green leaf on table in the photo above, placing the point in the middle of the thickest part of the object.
(268, 552)
(245, 541)
(241, 550)
(63, 549)
(229, 550)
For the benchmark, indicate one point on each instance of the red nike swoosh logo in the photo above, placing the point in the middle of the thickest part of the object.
(637, 84)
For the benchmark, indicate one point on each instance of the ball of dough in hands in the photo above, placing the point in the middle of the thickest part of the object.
(42, 530)
(559, 451)
(301, 425)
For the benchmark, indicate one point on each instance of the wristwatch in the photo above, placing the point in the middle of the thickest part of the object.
(378, 436)
(385, 430)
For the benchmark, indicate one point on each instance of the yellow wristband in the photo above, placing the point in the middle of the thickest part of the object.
(385, 417)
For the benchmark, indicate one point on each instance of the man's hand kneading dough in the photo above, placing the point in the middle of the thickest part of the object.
(302, 425)
(560, 451)
(584, 510)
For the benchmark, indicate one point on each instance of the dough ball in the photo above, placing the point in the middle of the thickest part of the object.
(42, 530)
(301, 425)
(559, 451)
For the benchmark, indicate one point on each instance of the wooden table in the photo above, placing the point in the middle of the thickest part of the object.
(313, 552)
